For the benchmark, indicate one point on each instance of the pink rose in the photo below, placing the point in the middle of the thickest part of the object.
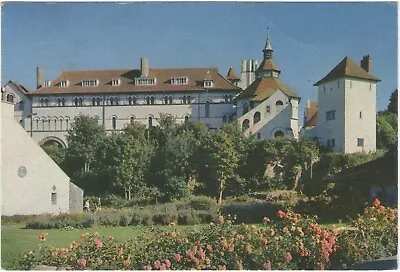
(168, 263)
(81, 262)
(287, 257)
(267, 265)
(147, 267)
(157, 264)
(177, 257)
(376, 202)
(99, 243)
(266, 219)
(220, 219)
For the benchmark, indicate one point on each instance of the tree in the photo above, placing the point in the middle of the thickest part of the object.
(392, 107)
(221, 160)
(386, 129)
(83, 139)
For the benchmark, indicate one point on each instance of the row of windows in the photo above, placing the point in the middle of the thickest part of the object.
(48, 124)
(248, 106)
(132, 100)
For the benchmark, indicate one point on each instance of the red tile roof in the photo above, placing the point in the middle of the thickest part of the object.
(268, 64)
(163, 77)
(263, 88)
(346, 68)
(231, 74)
(311, 115)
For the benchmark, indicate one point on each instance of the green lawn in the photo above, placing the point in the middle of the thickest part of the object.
(15, 240)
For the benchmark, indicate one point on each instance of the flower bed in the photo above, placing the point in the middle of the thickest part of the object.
(290, 242)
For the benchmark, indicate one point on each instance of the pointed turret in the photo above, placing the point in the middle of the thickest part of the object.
(267, 67)
(268, 48)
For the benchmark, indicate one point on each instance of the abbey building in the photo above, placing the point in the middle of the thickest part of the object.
(259, 101)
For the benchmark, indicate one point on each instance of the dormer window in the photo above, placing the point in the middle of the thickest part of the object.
(64, 83)
(115, 82)
(179, 80)
(47, 83)
(90, 82)
(143, 81)
(208, 83)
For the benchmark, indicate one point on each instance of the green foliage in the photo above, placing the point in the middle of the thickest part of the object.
(202, 203)
(60, 221)
(386, 129)
(250, 212)
(372, 236)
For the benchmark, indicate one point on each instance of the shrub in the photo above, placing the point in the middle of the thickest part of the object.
(202, 203)
(372, 236)
(250, 212)
(114, 201)
(78, 220)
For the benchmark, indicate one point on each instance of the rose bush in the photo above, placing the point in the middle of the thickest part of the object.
(290, 242)
(372, 235)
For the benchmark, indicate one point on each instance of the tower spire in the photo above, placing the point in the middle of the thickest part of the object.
(268, 48)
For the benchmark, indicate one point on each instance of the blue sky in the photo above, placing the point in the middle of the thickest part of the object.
(309, 39)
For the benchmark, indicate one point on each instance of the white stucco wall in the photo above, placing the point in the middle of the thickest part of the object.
(29, 194)
(141, 111)
(331, 97)
(360, 98)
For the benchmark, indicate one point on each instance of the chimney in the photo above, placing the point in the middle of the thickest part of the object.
(366, 63)
(144, 67)
(39, 77)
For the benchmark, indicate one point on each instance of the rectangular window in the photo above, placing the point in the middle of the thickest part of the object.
(115, 82)
(54, 198)
(328, 143)
(360, 142)
(330, 115)
(179, 80)
(360, 115)
(145, 81)
(338, 84)
(259, 136)
(90, 82)
(268, 110)
(332, 142)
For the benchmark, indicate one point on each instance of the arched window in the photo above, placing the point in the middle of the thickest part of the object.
(59, 102)
(184, 99)
(189, 99)
(278, 134)
(112, 100)
(76, 101)
(94, 101)
(170, 99)
(55, 124)
(98, 101)
(114, 123)
(256, 117)
(150, 119)
(278, 105)
(37, 124)
(226, 98)
(230, 98)
(245, 108)
(224, 118)
(132, 120)
(207, 109)
(63, 101)
(245, 124)
(129, 100)
(134, 100)
(186, 119)
(41, 102)
(116, 100)
(66, 124)
(80, 101)
(152, 100)
(61, 124)
(46, 101)
(10, 98)
(148, 100)
(43, 123)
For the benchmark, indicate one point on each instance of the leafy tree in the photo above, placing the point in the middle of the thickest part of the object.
(56, 153)
(83, 139)
(392, 107)
(386, 129)
(221, 161)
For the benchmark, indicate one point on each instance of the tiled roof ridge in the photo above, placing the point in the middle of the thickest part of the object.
(19, 86)
(346, 68)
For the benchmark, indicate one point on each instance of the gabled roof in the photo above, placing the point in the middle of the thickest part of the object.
(231, 74)
(346, 68)
(163, 77)
(268, 64)
(263, 88)
(311, 115)
(21, 88)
